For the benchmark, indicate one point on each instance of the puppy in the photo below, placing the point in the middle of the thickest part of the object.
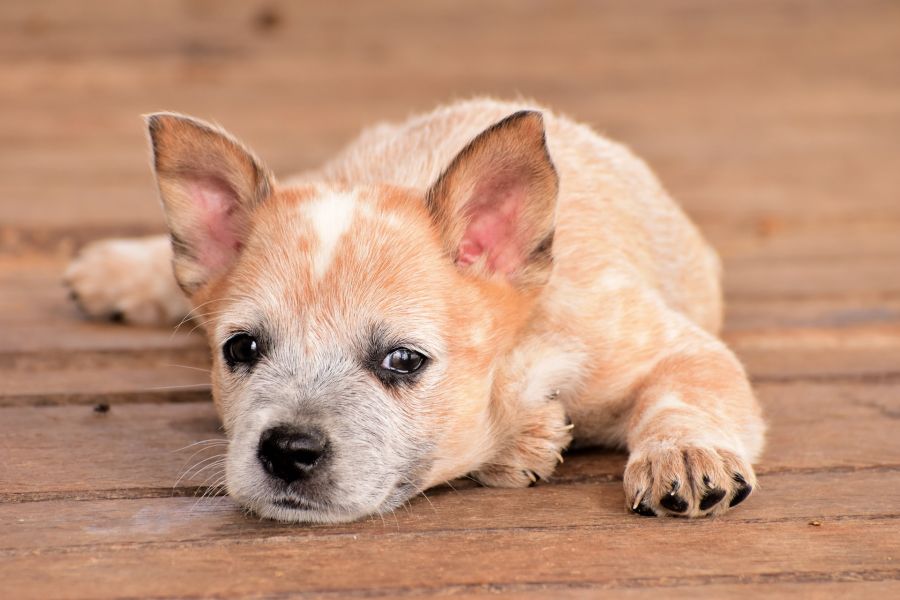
(463, 293)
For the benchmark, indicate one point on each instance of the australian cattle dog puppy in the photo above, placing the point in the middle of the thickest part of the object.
(466, 292)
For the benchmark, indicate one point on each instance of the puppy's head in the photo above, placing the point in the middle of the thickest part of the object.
(356, 331)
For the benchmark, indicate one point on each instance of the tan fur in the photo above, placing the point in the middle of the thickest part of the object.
(620, 339)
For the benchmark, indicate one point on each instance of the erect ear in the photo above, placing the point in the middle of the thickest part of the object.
(496, 203)
(209, 184)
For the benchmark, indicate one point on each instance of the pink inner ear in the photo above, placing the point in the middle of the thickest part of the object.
(215, 203)
(492, 231)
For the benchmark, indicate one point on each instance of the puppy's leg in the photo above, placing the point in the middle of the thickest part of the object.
(693, 431)
(532, 439)
(128, 280)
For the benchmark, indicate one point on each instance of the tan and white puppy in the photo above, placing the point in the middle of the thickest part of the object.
(446, 297)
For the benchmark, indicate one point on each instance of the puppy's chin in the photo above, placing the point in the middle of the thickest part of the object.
(292, 508)
(293, 511)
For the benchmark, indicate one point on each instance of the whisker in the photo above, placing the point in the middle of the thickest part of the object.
(211, 481)
(217, 459)
(422, 492)
(210, 441)
(204, 319)
(190, 315)
(430, 503)
(201, 450)
(188, 367)
(178, 387)
(211, 465)
(215, 489)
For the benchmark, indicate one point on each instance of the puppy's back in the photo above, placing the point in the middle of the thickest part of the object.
(612, 212)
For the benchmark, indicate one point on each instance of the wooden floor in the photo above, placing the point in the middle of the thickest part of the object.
(777, 124)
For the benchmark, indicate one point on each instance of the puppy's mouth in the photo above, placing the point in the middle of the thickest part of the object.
(298, 504)
(298, 508)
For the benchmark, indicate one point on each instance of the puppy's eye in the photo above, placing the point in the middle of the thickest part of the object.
(241, 349)
(403, 361)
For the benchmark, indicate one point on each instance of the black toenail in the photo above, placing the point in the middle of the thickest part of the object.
(117, 316)
(674, 502)
(711, 498)
(743, 491)
(643, 510)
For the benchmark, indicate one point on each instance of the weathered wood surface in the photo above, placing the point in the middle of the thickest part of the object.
(142, 446)
(777, 125)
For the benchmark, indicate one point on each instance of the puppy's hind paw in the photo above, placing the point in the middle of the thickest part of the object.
(666, 478)
(126, 280)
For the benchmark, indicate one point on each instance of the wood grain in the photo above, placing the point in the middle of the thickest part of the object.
(568, 503)
(393, 563)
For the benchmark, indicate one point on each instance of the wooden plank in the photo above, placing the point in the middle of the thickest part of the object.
(842, 354)
(841, 277)
(783, 497)
(715, 550)
(845, 586)
(110, 385)
(846, 315)
(802, 237)
(133, 449)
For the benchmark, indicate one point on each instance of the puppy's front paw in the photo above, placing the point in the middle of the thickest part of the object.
(126, 280)
(669, 478)
(533, 451)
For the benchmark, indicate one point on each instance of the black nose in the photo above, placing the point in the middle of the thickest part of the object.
(290, 453)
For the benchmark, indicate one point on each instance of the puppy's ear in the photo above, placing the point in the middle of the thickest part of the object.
(209, 185)
(496, 203)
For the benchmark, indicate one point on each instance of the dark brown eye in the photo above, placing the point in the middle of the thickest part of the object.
(403, 361)
(241, 349)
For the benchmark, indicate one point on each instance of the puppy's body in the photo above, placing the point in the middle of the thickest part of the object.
(615, 327)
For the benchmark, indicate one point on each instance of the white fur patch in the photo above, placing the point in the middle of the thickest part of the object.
(551, 373)
(331, 217)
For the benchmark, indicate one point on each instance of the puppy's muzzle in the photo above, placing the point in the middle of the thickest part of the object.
(292, 453)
